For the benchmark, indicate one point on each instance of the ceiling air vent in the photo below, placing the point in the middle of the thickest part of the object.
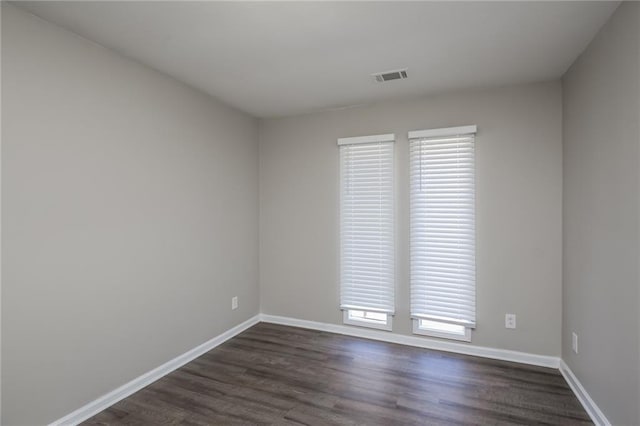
(381, 77)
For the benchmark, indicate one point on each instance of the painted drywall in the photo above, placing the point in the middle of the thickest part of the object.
(0, 222)
(519, 184)
(601, 107)
(130, 219)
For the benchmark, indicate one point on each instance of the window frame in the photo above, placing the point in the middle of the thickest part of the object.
(349, 320)
(349, 305)
(420, 315)
(418, 328)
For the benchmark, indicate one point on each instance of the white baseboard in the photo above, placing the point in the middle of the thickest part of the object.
(597, 416)
(107, 400)
(421, 342)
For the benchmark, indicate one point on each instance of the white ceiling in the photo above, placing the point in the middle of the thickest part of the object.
(275, 59)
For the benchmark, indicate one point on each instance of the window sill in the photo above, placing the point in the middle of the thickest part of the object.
(424, 331)
(378, 325)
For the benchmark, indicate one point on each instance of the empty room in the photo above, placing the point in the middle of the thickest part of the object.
(320, 213)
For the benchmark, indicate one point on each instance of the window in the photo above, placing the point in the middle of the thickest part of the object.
(367, 257)
(442, 222)
(441, 329)
(379, 320)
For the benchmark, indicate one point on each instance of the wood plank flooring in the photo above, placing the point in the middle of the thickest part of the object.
(272, 374)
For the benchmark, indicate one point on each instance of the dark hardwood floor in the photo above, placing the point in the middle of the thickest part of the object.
(273, 374)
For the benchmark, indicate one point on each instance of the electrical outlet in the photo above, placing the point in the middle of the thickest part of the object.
(510, 321)
(234, 302)
(574, 342)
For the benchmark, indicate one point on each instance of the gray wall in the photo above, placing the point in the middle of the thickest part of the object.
(519, 183)
(130, 215)
(602, 216)
(130, 219)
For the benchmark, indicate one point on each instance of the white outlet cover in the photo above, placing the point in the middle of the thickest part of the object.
(574, 342)
(234, 302)
(510, 320)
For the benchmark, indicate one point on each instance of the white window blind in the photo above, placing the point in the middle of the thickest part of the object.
(442, 210)
(367, 224)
